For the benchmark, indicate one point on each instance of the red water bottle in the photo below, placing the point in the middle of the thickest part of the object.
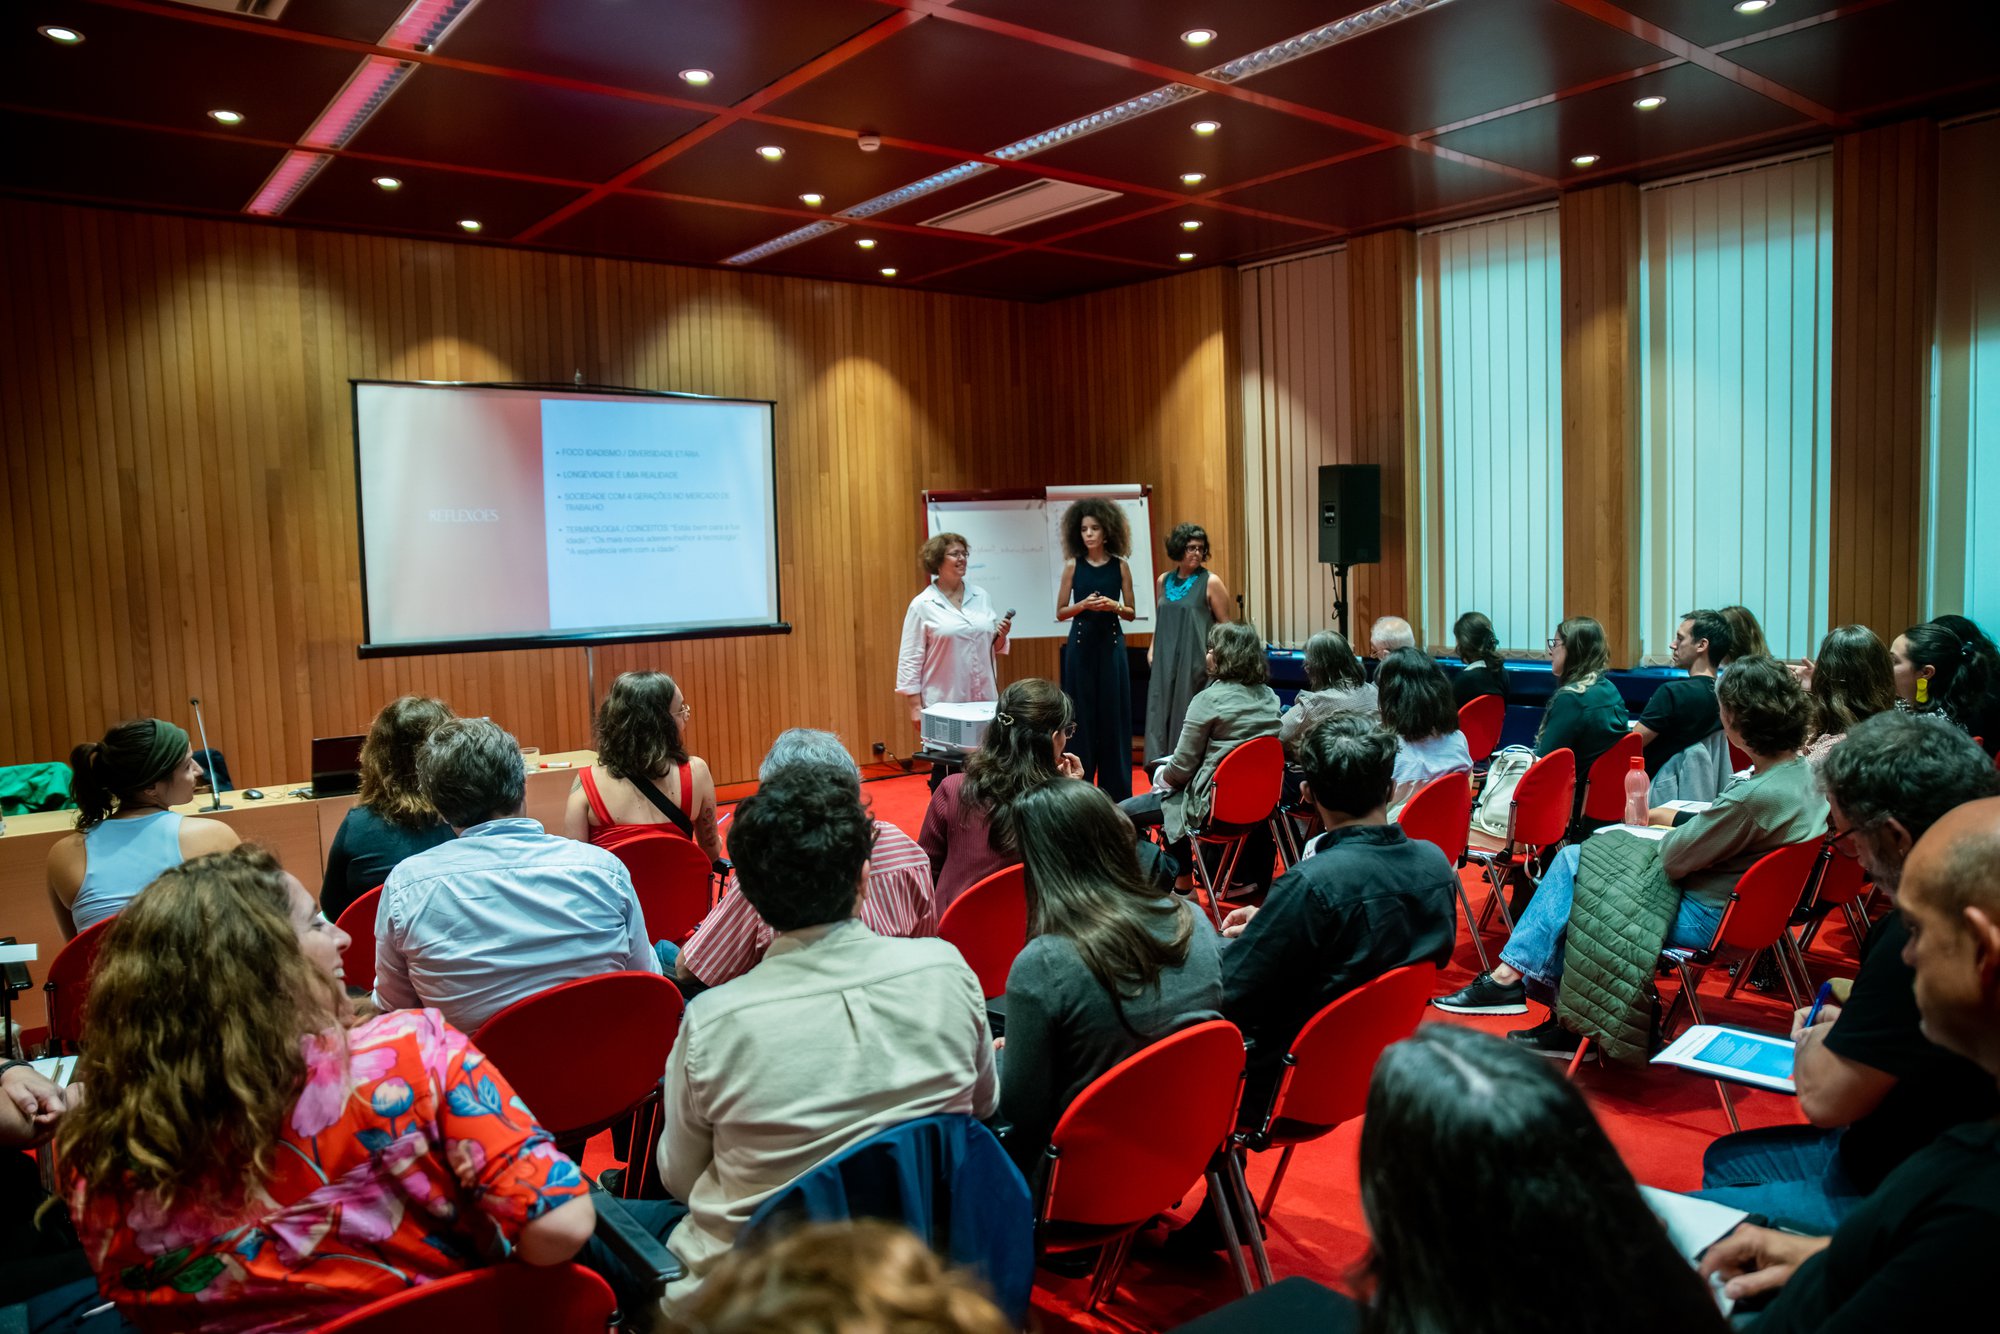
(1638, 788)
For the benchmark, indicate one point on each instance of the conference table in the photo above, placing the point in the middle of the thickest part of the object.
(296, 826)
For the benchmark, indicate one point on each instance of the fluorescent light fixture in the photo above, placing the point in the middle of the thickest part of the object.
(698, 78)
(1206, 126)
(292, 174)
(770, 152)
(59, 35)
(1198, 36)
(388, 183)
(1653, 103)
(226, 117)
(1584, 160)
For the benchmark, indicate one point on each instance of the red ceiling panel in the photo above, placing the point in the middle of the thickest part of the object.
(445, 115)
(356, 20)
(1158, 237)
(944, 83)
(1155, 149)
(105, 162)
(726, 166)
(1886, 54)
(1152, 31)
(1701, 109)
(345, 193)
(836, 255)
(1378, 189)
(1039, 276)
(1457, 61)
(1711, 22)
(663, 229)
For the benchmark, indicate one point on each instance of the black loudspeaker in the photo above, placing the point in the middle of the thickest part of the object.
(1350, 514)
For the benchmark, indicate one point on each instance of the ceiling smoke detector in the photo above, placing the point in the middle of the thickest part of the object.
(868, 140)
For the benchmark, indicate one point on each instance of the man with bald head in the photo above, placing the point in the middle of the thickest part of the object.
(1388, 634)
(1915, 1253)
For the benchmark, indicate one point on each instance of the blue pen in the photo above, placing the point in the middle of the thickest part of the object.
(1825, 990)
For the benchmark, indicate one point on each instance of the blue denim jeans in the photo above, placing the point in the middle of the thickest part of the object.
(1787, 1173)
(1535, 949)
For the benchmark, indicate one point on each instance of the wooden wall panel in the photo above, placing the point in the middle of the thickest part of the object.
(1601, 337)
(1382, 319)
(179, 488)
(1884, 299)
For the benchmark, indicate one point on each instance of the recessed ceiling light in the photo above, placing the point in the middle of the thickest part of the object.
(866, 242)
(888, 273)
(1198, 36)
(1584, 160)
(59, 35)
(226, 117)
(770, 152)
(388, 183)
(1190, 224)
(470, 224)
(1192, 178)
(699, 78)
(1185, 256)
(1753, 6)
(1206, 126)
(812, 200)
(1653, 103)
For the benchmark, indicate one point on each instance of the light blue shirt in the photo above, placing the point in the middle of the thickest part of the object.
(501, 912)
(120, 858)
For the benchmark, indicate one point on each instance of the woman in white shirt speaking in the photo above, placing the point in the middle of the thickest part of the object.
(950, 634)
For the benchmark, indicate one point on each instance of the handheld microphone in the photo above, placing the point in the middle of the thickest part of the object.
(214, 788)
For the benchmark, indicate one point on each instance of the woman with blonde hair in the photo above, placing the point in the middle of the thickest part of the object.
(391, 819)
(250, 1157)
(644, 776)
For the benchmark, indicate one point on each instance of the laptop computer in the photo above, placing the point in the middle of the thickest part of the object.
(336, 765)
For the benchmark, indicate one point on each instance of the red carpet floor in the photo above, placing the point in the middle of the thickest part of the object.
(1660, 1120)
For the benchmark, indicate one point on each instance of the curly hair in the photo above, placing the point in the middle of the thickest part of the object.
(637, 735)
(191, 1037)
(1239, 653)
(1017, 755)
(1110, 517)
(800, 844)
(1765, 705)
(389, 784)
(931, 553)
(1184, 533)
(837, 1278)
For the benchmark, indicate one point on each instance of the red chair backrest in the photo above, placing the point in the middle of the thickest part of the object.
(672, 878)
(1482, 720)
(1334, 1055)
(1144, 1131)
(582, 1054)
(1248, 782)
(1842, 881)
(357, 919)
(1604, 790)
(989, 924)
(1544, 799)
(68, 983)
(1765, 897)
(1739, 758)
(550, 1299)
(1440, 812)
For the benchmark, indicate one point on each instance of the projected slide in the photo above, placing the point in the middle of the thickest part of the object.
(538, 517)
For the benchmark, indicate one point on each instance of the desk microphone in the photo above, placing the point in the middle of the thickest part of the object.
(214, 788)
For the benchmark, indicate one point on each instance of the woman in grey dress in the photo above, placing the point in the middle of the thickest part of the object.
(1190, 599)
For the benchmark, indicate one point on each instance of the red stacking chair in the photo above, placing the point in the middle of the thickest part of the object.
(1481, 720)
(1440, 813)
(550, 1299)
(1841, 883)
(1537, 821)
(1604, 788)
(1136, 1139)
(1327, 1070)
(1249, 782)
(989, 924)
(1739, 758)
(672, 877)
(357, 962)
(585, 1055)
(68, 986)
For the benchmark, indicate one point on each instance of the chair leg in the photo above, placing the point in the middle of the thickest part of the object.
(1204, 886)
(1233, 1167)
(1280, 825)
(1271, 1194)
(1857, 922)
(1742, 975)
(1104, 1279)
(1690, 988)
(1728, 1105)
(1472, 926)
(1218, 1200)
(1785, 970)
(1798, 957)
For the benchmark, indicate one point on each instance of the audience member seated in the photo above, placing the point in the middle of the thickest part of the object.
(1914, 1254)
(505, 909)
(1685, 756)
(1467, 1139)
(965, 830)
(1983, 719)
(1938, 675)
(1485, 671)
(126, 835)
(1850, 681)
(1585, 714)
(898, 901)
(1746, 637)
(1417, 708)
(39, 1253)
(391, 818)
(1764, 712)
(836, 1034)
(247, 1160)
(1873, 1087)
(863, 1277)
(1388, 634)
(644, 777)
(1335, 684)
(1233, 707)
(1112, 963)
(1365, 899)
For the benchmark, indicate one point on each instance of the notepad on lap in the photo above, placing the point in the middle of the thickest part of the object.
(1736, 1054)
(1693, 1226)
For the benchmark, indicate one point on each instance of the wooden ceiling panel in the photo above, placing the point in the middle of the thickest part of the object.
(1152, 31)
(356, 20)
(639, 227)
(944, 83)
(1158, 238)
(1889, 54)
(836, 255)
(1378, 189)
(1712, 22)
(726, 166)
(1031, 275)
(1457, 61)
(344, 193)
(1155, 149)
(75, 158)
(446, 115)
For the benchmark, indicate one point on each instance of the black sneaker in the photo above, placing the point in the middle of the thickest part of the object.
(1548, 1038)
(1485, 996)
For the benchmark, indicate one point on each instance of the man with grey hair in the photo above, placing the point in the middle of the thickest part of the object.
(1388, 634)
(504, 910)
(899, 899)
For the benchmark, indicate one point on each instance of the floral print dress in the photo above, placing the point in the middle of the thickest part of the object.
(407, 1158)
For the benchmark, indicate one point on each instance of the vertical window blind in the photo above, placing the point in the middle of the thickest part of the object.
(1489, 386)
(1736, 434)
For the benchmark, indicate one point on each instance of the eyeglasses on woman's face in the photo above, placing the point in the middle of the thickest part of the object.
(1069, 729)
(1555, 642)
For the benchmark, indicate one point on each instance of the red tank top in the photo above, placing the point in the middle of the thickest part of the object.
(604, 831)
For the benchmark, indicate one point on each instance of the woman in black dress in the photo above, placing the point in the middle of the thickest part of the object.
(1094, 595)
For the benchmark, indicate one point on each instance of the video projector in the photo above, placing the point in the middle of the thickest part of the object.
(959, 727)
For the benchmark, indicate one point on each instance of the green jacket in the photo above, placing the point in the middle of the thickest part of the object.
(1623, 909)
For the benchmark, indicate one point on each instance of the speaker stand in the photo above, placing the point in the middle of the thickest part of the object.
(1340, 600)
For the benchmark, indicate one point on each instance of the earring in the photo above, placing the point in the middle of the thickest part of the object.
(1923, 690)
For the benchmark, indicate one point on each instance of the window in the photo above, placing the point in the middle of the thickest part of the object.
(1736, 401)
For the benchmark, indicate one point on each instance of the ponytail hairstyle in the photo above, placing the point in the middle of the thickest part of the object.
(1961, 681)
(110, 774)
(1018, 754)
(1476, 642)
